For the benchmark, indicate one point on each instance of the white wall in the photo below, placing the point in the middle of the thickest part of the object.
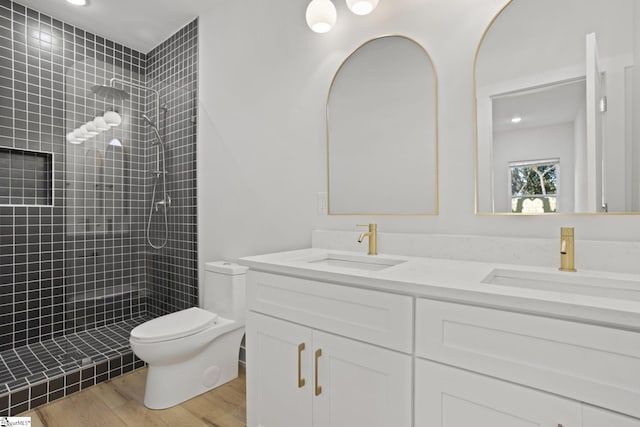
(634, 79)
(264, 78)
(518, 44)
(580, 164)
(615, 150)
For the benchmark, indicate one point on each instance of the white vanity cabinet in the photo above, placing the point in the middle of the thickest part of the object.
(304, 366)
(452, 397)
(274, 350)
(334, 348)
(515, 369)
(598, 417)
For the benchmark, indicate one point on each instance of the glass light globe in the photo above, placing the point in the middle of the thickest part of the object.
(100, 123)
(321, 15)
(85, 130)
(78, 135)
(112, 118)
(362, 7)
(71, 138)
(91, 127)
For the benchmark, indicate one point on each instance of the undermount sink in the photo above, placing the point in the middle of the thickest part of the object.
(356, 262)
(570, 283)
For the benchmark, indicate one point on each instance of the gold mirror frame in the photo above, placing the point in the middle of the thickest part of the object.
(436, 210)
(475, 147)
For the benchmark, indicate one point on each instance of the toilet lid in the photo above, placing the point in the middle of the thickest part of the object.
(175, 325)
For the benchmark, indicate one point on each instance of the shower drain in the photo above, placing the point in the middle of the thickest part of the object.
(73, 356)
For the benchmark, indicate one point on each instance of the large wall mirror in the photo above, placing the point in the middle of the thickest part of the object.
(382, 131)
(556, 131)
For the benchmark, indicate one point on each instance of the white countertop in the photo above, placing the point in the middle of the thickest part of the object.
(462, 281)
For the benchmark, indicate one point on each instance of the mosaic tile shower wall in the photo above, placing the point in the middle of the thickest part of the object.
(172, 272)
(104, 191)
(56, 277)
(83, 262)
(31, 237)
(76, 273)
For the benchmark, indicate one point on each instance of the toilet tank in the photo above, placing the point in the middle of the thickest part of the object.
(224, 290)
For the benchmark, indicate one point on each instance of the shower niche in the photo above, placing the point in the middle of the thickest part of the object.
(26, 177)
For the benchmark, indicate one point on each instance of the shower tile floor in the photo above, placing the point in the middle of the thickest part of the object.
(40, 361)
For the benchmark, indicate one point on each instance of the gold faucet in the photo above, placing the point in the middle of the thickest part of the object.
(567, 257)
(372, 234)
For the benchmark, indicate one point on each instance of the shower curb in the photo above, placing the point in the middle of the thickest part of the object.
(101, 369)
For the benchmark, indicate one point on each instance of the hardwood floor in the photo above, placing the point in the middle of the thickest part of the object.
(119, 402)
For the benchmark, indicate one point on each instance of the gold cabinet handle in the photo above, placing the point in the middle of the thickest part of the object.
(301, 381)
(318, 387)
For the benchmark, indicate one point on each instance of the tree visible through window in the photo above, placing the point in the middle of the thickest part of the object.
(534, 186)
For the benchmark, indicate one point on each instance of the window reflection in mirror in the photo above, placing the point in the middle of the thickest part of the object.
(554, 79)
(534, 186)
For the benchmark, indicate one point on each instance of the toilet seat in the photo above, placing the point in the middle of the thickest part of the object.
(175, 325)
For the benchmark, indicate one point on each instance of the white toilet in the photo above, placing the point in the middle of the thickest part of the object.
(194, 350)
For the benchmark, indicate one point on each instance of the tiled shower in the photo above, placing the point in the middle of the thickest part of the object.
(76, 273)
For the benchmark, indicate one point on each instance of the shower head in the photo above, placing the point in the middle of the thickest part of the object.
(110, 92)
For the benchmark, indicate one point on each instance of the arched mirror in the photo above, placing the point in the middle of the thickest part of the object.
(116, 187)
(382, 131)
(92, 186)
(554, 96)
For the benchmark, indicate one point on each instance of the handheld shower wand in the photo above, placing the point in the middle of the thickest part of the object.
(155, 129)
(161, 174)
(112, 92)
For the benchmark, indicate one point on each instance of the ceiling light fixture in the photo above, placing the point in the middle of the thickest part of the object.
(516, 119)
(72, 139)
(362, 7)
(100, 124)
(77, 2)
(321, 15)
(112, 118)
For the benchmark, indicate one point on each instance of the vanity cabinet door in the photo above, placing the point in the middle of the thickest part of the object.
(300, 377)
(361, 384)
(451, 397)
(279, 385)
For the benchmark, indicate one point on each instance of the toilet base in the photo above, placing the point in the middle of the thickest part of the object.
(217, 364)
